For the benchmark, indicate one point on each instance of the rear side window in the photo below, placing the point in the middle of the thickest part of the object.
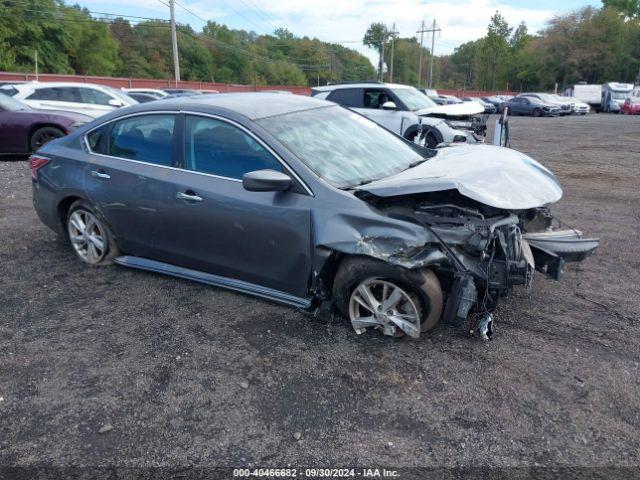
(98, 141)
(347, 97)
(58, 94)
(147, 138)
(44, 94)
(219, 148)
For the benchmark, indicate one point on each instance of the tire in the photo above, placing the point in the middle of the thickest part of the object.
(537, 112)
(430, 140)
(421, 285)
(43, 135)
(95, 244)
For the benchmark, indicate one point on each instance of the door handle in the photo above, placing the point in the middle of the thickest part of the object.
(189, 196)
(100, 174)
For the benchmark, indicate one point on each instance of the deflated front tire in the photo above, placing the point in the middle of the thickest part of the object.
(395, 300)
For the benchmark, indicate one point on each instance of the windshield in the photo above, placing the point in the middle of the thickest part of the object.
(620, 95)
(11, 104)
(413, 98)
(340, 146)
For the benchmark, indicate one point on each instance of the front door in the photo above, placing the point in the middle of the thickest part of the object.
(219, 227)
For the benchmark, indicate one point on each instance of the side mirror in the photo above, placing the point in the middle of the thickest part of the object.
(266, 181)
(389, 106)
(114, 102)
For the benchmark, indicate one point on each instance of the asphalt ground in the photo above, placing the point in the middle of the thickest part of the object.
(194, 376)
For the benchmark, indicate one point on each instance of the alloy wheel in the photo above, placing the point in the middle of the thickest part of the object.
(383, 305)
(87, 236)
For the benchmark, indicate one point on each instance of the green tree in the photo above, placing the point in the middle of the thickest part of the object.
(376, 37)
(495, 49)
(629, 8)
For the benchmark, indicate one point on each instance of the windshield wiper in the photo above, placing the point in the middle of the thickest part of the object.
(416, 163)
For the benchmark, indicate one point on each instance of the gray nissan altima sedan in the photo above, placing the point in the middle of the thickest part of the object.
(301, 201)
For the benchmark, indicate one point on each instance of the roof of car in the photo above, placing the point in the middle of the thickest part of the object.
(36, 85)
(252, 105)
(328, 88)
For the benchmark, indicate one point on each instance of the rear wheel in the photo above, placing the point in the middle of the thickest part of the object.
(42, 136)
(89, 235)
(395, 300)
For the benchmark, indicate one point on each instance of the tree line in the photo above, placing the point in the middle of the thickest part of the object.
(592, 44)
(74, 40)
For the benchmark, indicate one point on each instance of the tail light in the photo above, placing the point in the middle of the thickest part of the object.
(36, 162)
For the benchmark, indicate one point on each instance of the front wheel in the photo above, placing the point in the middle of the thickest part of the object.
(42, 136)
(89, 235)
(537, 112)
(392, 299)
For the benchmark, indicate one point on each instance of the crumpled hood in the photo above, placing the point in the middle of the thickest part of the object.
(454, 110)
(495, 176)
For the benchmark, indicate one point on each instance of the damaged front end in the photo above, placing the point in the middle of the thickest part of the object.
(479, 253)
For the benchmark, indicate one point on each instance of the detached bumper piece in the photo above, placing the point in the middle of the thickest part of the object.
(552, 250)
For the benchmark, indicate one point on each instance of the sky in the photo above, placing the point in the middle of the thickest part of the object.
(345, 21)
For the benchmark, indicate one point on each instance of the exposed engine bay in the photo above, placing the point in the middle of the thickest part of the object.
(480, 253)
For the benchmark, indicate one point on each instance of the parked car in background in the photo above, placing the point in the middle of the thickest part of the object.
(432, 94)
(533, 106)
(405, 111)
(488, 107)
(147, 91)
(182, 91)
(583, 92)
(144, 97)
(450, 99)
(496, 101)
(306, 203)
(614, 95)
(24, 129)
(85, 98)
(566, 107)
(631, 106)
(578, 106)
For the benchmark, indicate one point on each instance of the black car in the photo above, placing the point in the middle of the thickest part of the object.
(304, 202)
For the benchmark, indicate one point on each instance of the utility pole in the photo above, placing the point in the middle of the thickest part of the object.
(433, 46)
(174, 43)
(393, 34)
(421, 32)
(382, 63)
(36, 52)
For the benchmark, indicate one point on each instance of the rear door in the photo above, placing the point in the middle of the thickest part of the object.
(218, 227)
(129, 179)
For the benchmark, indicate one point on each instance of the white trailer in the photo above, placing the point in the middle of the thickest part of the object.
(589, 94)
(614, 95)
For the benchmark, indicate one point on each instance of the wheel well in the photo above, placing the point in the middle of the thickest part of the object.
(63, 210)
(37, 126)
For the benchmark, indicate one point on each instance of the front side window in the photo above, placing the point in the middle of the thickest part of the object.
(342, 147)
(375, 98)
(147, 138)
(94, 97)
(219, 148)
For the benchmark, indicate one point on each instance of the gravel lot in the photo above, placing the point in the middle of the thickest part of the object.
(191, 375)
